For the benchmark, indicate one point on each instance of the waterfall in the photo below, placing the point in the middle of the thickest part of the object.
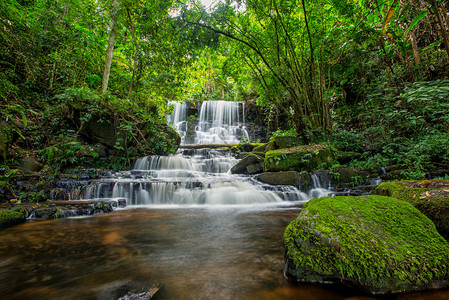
(221, 122)
(199, 176)
(179, 118)
(317, 189)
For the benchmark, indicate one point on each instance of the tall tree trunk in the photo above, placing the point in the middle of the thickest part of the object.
(135, 61)
(111, 42)
(443, 29)
(312, 60)
(415, 48)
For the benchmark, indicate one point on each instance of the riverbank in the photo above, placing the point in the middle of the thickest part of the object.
(15, 212)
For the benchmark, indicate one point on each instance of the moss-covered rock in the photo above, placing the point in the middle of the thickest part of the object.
(242, 166)
(283, 142)
(245, 147)
(343, 178)
(376, 243)
(346, 157)
(302, 158)
(282, 178)
(429, 197)
(9, 218)
(305, 180)
(100, 128)
(261, 148)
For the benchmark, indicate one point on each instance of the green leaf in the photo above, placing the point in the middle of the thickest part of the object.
(24, 119)
(416, 20)
(389, 15)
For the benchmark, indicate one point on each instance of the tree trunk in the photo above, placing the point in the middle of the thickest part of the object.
(111, 42)
(415, 48)
(442, 27)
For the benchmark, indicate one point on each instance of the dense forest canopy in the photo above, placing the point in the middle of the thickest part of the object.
(367, 75)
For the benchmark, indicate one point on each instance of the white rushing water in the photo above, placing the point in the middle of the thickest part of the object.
(221, 122)
(179, 119)
(199, 177)
(195, 177)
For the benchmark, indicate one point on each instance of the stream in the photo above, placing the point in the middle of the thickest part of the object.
(190, 225)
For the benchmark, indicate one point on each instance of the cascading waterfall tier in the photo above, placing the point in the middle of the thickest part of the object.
(190, 177)
(179, 119)
(221, 122)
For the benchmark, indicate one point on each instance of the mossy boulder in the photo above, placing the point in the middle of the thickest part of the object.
(157, 138)
(265, 147)
(261, 148)
(374, 243)
(9, 218)
(282, 178)
(343, 178)
(100, 128)
(242, 166)
(346, 157)
(245, 147)
(283, 142)
(301, 158)
(431, 197)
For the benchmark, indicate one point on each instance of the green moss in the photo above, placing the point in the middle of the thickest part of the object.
(378, 243)
(399, 190)
(431, 201)
(287, 141)
(9, 218)
(261, 148)
(302, 158)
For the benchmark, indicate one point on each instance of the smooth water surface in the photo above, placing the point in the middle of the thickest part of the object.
(198, 253)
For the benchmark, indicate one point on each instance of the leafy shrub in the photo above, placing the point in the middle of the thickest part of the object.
(280, 132)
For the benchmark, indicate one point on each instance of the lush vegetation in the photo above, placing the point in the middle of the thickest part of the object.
(366, 76)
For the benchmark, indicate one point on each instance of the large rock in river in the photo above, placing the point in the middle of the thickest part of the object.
(247, 165)
(282, 178)
(376, 243)
(301, 158)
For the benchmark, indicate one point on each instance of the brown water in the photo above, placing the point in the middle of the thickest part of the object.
(198, 253)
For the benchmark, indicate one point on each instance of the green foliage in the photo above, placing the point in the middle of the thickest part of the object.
(290, 132)
(62, 154)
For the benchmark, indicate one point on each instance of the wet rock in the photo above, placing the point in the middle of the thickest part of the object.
(302, 158)
(344, 178)
(375, 243)
(255, 168)
(9, 218)
(97, 150)
(30, 165)
(305, 181)
(241, 166)
(431, 197)
(282, 178)
(130, 290)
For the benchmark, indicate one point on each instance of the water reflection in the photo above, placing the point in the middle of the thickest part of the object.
(198, 253)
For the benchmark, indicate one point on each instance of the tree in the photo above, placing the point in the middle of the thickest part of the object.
(111, 43)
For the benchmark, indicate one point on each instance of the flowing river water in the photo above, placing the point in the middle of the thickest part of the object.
(207, 252)
(190, 225)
